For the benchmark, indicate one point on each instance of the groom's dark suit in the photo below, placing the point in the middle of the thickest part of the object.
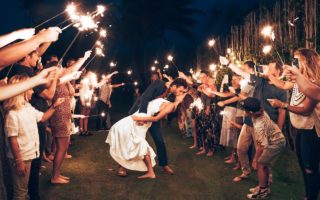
(154, 90)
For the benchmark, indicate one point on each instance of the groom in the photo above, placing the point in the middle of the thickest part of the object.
(155, 90)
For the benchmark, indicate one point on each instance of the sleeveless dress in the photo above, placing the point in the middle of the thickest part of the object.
(127, 140)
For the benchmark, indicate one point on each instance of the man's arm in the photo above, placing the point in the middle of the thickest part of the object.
(15, 52)
(281, 118)
(239, 71)
(22, 34)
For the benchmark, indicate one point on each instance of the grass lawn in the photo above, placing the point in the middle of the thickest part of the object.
(93, 175)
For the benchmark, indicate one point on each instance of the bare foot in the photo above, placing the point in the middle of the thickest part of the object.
(68, 156)
(227, 158)
(168, 170)
(236, 167)
(51, 157)
(64, 177)
(147, 175)
(230, 161)
(210, 154)
(59, 181)
(122, 172)
(201, 152)
(193, 147)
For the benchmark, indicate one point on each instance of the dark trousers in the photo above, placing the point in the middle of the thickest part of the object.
(103, 122)
(33, 185)
(155, 131)
(308, 153)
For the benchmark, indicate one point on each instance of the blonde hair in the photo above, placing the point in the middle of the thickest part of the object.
(309, 64)
(17, 102)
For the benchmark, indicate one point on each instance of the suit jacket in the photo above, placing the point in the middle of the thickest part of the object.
(154, 90)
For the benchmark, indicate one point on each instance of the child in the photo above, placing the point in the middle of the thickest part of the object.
(270, 143)
(22, 137)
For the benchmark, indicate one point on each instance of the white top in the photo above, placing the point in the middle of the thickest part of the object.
(23, 125)
(155, 105)
(299, 121)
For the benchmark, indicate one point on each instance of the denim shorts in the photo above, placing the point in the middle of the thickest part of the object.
(271, 154)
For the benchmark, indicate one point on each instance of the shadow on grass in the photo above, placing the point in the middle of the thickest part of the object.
(93, 174)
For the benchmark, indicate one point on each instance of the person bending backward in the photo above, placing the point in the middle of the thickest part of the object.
(270, 142)
(304, 118)
(22, 136)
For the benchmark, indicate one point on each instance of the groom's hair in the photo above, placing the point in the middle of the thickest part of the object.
(178, 82)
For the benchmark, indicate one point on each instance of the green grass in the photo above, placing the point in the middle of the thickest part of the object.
(93, 175)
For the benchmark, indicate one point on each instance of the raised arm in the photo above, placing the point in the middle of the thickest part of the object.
(15, 52)
(164, 112)
(22, 34)
(12, 90)
(78, 64)
(239, 71)
(284, 85)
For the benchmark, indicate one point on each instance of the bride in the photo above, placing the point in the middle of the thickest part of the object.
(127, 137)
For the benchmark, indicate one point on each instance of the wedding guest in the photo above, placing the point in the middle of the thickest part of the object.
(270, 144)
(61, 121)
(23, 137)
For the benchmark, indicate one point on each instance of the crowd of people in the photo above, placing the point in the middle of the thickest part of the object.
(39, 106)
(245, 112)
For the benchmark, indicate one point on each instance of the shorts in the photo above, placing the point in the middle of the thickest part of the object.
(271, 154)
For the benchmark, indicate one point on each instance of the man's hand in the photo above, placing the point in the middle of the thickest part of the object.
(47, 75)
(49, 35)
(221, 104)
(87, 54)
(21, 168)
(291, 73)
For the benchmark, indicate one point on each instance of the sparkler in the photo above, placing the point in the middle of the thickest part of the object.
(229, 51)
(156, 62)
(212, 67)
(170, 58)
(268, 32)
(129, 72)
(68, 48)
(211, 42)
(135, 83)
(197, 103)
(113, 64)
(153, 68)
(266, 49)
(98, 52)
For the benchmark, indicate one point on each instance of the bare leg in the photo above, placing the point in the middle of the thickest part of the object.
(263, 175)
(150, 173)
(62, 147)
(194, 131)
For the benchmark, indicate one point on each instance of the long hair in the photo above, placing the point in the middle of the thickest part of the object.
(309, 64)
(16, 102)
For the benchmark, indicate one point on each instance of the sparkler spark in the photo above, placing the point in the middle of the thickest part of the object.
(166, 66)
(86, 22)
(135, 83)
(170, 58)
(211, 42)
(153, 68)
(100, 10)
(212, 67)
(197, 103)
(99, 52)
(268, 32)
(103, 33)
(267, 49)
(129, 72)
(113, 64)
(156, 62)
(228, 50)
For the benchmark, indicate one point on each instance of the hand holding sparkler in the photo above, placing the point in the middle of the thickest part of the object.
(49, 35)
(58, 102)
(224, 60)
(69, 77)
(110, 75)
(47, 75)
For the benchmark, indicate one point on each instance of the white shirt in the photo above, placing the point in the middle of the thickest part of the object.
(23, 125)
(299, 121)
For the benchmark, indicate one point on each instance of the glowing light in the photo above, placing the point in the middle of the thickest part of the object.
(243, 83)
(267, 49)
(268, 32)
(166, 66)
(86, 22)
(153, 68)
(72, 12)
(103, 76)
(100, 10)
(95, 98)
(103, 33)
(156, 62)
(99, 52)
(211, 42)
(135, 83)
(129, 72)
(103, 114)
(113, 64)
(170, 58)
(197, 103)
(212, 67)
(99, 43)
(191, 70)
(228, 50)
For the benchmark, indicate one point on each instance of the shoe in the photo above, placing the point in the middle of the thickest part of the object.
(260, 194)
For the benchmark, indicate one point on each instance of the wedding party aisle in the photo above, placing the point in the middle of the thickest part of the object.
(93, 174)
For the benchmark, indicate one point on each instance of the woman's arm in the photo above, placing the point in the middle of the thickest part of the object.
(306, 109)
(51, 110)
(284, 85)
(22, 34)
(164, 112)
(239, 71)
(78, 64)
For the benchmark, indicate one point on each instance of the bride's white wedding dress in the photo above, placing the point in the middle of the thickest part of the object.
(127, 140)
